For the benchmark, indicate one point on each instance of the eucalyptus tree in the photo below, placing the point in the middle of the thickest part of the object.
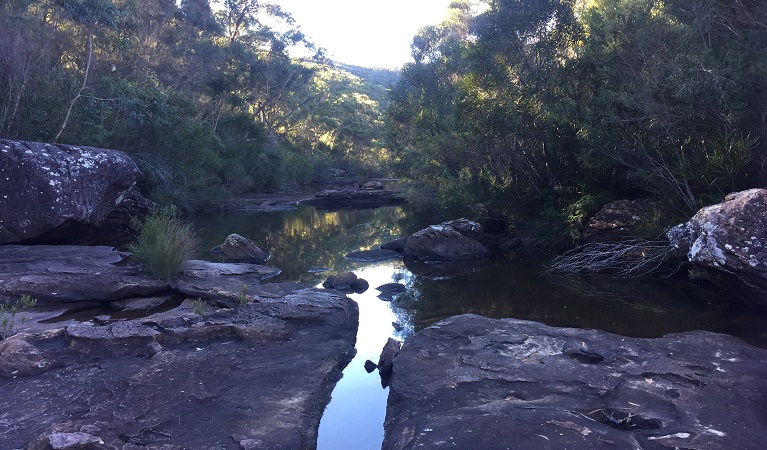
(678, 94)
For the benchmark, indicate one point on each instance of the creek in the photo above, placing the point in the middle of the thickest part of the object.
(310, 244)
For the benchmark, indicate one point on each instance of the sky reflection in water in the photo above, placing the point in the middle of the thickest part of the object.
(504, 287)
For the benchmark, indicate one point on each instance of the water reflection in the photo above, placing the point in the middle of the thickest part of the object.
(305, 242)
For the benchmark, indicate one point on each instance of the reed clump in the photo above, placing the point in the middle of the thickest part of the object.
(163, 243)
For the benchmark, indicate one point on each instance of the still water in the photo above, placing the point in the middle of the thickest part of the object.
(308, 245)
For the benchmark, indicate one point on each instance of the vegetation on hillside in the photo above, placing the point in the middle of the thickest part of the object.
(540, 110)
(536, 108)
(210, 105)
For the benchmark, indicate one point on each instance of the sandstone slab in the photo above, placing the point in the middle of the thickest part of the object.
(255, 376)
(470, 382)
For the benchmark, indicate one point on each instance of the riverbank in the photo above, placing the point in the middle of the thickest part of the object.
(222, 370)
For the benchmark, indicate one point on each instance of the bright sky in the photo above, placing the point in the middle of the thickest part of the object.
(371, 33)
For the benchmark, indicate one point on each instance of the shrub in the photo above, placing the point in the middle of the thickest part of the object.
(8, 314)
(163, 243)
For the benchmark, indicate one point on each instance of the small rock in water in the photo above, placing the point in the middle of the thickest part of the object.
(397, 326)
(346, 282)
(372, 255)
(390, 290)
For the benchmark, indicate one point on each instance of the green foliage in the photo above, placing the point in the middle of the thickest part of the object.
(209, 105)
(163, 243)
(198, 306)
(514, 107)
(243, 296)
(8, 314)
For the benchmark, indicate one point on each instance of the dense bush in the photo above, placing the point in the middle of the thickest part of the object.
(163, 243)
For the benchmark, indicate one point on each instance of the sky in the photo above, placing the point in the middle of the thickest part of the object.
(370, 33)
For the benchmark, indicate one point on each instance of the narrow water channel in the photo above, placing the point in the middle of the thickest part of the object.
(307, 241)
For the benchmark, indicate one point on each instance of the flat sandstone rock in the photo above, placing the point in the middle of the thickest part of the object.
(470, 382)
(255, 376)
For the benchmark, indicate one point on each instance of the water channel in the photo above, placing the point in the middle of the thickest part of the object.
(309, 244)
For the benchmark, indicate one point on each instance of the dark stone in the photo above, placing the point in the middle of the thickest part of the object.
(616, 220)
(385, 361)
(471, 382)
(346, 282)
(397, 245)
(495, 225)
(390, 290)
(730, 237)
(501, 243)
(177, 380)
(449, 241)
(370, 366)
(372, 255)
(56, 185)
(397, 326)
(240, 249)
(355, 198)
(510, 243)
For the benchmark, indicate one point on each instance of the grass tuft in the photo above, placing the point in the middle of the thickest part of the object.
(163, 243)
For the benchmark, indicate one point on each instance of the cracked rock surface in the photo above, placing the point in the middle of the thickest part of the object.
(255, 376)
(470, 382)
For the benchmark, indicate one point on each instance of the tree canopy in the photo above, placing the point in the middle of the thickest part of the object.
(538, 106)
(209, 103)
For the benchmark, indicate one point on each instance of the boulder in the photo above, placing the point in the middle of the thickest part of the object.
(48, 186)
(471, 382)
(240, 249)
(730, 236)
(346, 282)
(178, 380)
(456, 240)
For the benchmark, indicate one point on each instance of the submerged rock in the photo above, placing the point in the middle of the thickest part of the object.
(730, 236)
(390, 290)
(471, 382)
(55, 185)
(178, 380)
(355, 198)
(385, 361)
(372, 255)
